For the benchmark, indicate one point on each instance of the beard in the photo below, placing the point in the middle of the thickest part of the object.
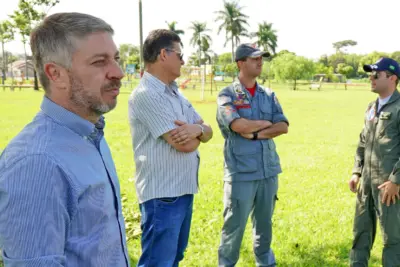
(88, 100)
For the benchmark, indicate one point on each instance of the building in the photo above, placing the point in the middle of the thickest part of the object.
(17, 69)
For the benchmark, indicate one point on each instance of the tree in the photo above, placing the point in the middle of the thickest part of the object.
(129, 54)
(234, 22)
(291, 67)
(266, 72)
(172, 27)
(282, 52)
(26, 17)
(353, 60)
(336, 59)
(199, 33)
(345, 70)
(396, 56)
(266, 37)
(343, 44)
(371, 58)
(6, 35)
(207, 52)
(230, 69)
(127, 51)
(324, 60)
(193, 60)
(225, 58)
(320, 68)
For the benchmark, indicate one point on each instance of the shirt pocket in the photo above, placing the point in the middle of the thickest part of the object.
(188, 111)
(245, 155)
(244, 111)
(265, 108)
(272, 154)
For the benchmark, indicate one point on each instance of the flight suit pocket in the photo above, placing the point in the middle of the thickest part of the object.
(246, 158)
(387, 126)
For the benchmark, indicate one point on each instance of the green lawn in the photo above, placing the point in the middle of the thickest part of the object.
(314, 214)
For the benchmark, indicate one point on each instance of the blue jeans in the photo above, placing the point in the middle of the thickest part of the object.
(165, 228)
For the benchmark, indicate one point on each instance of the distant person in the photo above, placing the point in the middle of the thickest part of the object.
(377, 167)
(59, 192)
(249, 117)
(166, 132)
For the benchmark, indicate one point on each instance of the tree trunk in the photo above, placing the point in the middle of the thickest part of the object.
(233, 51)
(26, 61)
(3, 77)
(36, 86)
(294, 88)
(199, 55)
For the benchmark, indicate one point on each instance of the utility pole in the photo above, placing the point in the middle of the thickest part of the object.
(141, 37)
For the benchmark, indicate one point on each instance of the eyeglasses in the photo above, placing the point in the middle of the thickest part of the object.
(375, 74)
(179, 54)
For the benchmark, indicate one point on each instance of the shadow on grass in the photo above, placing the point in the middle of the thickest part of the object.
(310, 256)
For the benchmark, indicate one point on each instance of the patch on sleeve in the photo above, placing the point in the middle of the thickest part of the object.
(222, 100)
(229, 110)
(371, 113)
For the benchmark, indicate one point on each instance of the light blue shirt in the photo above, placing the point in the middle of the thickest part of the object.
(59, 195)
(161, 170)
(248, 160)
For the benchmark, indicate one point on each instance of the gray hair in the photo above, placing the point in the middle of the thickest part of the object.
(54, 40)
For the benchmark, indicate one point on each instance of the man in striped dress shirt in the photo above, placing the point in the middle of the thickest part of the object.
(166, 132)
(59, 192)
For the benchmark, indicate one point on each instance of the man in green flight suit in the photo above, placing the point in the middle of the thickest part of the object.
(377, 168)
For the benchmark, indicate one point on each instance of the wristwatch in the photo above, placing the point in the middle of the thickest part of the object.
(255, 136)
(202, 130)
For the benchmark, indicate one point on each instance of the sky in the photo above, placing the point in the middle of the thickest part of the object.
(306, 27)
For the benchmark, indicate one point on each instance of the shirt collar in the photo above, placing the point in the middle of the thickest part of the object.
(258, 87)
(158, 84)
(384, 100)
(69, 119)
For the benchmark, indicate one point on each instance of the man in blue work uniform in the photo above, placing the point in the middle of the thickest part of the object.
(249, 117)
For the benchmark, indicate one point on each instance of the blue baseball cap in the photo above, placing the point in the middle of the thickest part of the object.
(384, 64)
(249, 50)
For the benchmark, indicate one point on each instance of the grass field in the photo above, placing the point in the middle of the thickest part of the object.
(314, 214)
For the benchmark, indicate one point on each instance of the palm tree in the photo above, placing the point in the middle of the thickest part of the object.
(234, 22)
(199, 33)
(172, 27)
(266, 37)
(205, 48)
(6, 35)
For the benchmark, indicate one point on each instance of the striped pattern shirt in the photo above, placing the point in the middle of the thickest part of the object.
(59, 195)
(161, 170)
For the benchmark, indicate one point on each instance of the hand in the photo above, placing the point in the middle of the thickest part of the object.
(185, 132)
(390, 192)
(267, 124)
(353, 183)
(247, 136)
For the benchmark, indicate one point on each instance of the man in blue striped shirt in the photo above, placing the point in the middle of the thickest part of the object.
(59, 191)
(166, 132)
